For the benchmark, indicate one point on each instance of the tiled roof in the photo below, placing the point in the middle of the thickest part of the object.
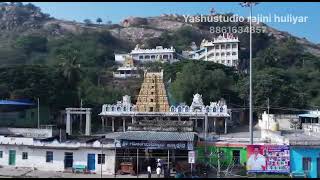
(156, 136)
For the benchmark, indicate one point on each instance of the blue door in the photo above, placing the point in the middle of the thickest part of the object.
(91, 162)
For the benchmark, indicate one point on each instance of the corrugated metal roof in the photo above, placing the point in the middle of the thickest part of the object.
(309, 115)
(157, 136)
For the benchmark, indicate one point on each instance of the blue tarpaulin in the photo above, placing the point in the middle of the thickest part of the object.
(16, 103)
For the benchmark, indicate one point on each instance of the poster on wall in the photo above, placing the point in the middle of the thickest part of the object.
(268, 158)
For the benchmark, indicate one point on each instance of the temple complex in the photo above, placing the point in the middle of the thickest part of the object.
(153, 112)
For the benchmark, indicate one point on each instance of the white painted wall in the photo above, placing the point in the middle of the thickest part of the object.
(37, 158)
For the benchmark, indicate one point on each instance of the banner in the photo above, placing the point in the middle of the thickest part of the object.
(268, 158)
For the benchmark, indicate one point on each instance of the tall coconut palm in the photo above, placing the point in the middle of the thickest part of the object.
(71, 69)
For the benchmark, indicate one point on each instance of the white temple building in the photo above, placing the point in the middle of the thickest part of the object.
(149, 55)
(222, 50)
(127, 70)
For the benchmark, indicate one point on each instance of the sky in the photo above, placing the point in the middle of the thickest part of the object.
(117, 11)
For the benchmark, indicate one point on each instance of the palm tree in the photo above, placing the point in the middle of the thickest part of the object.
(71, 68)
(70, 65)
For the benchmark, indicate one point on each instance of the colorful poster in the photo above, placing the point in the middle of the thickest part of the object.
(268, 158)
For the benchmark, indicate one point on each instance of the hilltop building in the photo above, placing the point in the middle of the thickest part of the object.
(222, 50)
(127, 70)
(149, 55)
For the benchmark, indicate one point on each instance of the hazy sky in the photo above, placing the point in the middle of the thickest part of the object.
(117, 11)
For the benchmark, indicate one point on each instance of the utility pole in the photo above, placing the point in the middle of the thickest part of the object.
(205, 139)
(218, 172)
(137, 163)
(268, 101)
(115, 156)
(250, 99)
(101, 160)
(38, 113)
(250, 4)
(80, 124)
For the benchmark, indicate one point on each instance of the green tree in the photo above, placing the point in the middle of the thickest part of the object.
(31, 43)
(197, 78)
(99, 20)
(87, 22)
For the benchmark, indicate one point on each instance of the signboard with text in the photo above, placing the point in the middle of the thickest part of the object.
(157, 144)
(191, 157)
(268, 158)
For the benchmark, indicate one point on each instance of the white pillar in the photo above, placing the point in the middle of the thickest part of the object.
(106, 122)
(88, 123)
(103, 122)
(124, 124)
(225, 125)
(68, 123)
(112, 124)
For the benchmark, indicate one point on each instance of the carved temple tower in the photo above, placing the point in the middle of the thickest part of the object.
(152, 96)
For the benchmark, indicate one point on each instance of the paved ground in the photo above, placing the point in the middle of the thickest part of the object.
(11, 172)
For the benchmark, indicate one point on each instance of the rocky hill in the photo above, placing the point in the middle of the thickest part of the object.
(17, 19)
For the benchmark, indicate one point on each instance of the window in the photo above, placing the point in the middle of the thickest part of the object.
(49, 156)
(217, 54)
(306, 163)
(1, 154)
(234, 53)
(151, 100)
(24, 155)
(150, 109)
(101, 158)
(228, 53)
(140, 57)
(222, 54)
(228, 61)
